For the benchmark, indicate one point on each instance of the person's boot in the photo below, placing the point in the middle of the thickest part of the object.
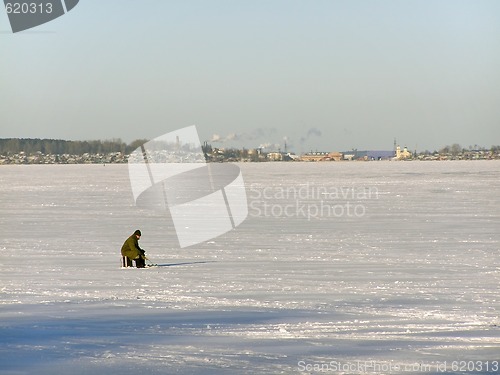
(140, 263)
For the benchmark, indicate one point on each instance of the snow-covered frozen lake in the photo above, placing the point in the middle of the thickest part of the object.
(378, 267)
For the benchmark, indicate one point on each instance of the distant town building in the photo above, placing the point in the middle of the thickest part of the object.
(322, 156)
(368, 155)
(401, 155)
(275, 156)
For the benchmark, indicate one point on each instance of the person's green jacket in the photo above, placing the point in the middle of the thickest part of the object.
(130, 248)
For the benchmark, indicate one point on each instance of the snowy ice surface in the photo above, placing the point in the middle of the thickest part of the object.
(408, 281)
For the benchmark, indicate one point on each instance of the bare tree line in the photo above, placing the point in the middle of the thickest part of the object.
(61, 147)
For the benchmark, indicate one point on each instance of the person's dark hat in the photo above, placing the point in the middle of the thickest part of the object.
(137, 232)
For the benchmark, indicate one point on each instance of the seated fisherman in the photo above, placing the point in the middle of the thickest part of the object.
(132, 251)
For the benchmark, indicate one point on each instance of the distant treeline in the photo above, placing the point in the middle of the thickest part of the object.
(61, 147)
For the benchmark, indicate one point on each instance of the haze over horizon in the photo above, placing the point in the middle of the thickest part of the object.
(326, 75)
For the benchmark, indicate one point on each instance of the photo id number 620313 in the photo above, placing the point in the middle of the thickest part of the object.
(28, 8)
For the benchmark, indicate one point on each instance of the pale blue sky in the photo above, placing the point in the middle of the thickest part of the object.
(328, 75)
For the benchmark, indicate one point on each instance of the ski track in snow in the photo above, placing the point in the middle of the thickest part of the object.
(415, 280)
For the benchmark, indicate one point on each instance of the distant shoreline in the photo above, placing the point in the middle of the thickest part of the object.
(119, 158)
(50, 151)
